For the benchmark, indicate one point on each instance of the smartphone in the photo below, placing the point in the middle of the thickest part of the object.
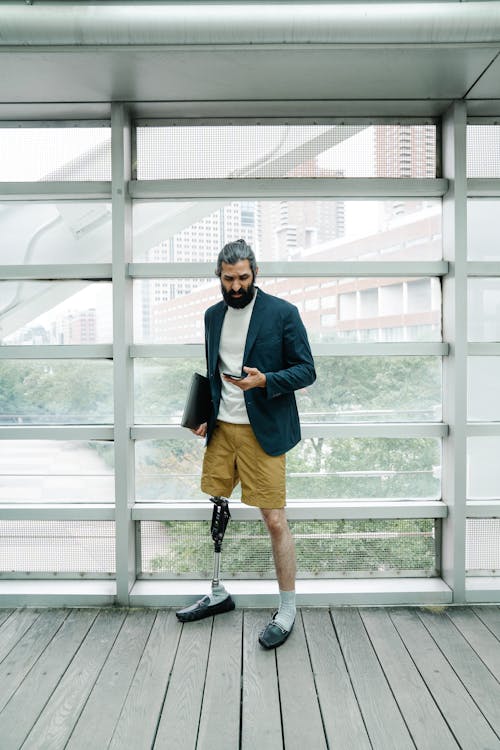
(234, 377)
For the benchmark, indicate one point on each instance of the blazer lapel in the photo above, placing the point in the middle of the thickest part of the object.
(258, 316)
(214, 338)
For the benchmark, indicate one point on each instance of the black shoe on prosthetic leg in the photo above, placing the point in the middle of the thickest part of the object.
(203, 608)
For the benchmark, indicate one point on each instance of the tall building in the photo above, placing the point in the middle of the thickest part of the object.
(200, 242)
(405, 151)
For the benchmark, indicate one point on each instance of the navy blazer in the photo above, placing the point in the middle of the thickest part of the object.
(278, 346)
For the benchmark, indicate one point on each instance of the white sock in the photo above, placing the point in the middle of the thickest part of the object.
(287, 610)
(218, 594)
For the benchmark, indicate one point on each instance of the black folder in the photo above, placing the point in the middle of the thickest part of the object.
(198, 403)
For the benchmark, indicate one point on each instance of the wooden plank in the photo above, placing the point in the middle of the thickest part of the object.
(220, 713)
(426, 724)
(55, 724)
(95, 727)
(342, 718)
(384, 723)
(260, 713)
(476, 677)
(4, 615)
(468, 724)
(485, 644)
(136, 727)
(24, 707)
(180, 717)
(27, 651)
(298, 693)
(14, 628)
(491, 618)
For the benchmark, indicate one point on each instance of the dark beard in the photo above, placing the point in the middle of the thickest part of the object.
(243, 301)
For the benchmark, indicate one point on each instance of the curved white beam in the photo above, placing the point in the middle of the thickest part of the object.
(186, 24)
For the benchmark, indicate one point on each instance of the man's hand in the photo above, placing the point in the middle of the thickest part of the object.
(201, 431)
(254, 379)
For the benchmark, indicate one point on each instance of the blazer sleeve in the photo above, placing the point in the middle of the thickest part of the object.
(298, 370)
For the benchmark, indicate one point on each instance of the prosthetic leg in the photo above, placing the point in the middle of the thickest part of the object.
(219, 601)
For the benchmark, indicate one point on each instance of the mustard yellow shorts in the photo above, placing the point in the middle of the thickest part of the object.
(234, 455)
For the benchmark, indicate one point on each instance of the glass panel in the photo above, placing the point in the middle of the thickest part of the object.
(482, 546)
(55, 312)
(170, 311)
(33, 471)
(357, 468)
(57, 547)
(483, 233)
(206, 151)
(161, 388)
(483, 468)
(289, 230)
(64, 232)
(354, 468)
(347, 389)
(324, 548)
(56, 392)
(483, 151)
(55, 153)
(483, 375)
(484, 310)
(373, 389)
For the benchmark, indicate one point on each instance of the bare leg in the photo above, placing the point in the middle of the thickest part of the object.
(283, 546)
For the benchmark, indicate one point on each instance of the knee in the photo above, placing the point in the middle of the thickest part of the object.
(276, 523)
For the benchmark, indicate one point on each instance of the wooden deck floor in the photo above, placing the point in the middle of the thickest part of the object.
(347, 679)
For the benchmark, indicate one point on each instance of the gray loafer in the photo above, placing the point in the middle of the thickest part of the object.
(273, 635)
(203, 608)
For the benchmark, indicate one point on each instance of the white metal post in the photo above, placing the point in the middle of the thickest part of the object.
(122, 338)
(455, 333)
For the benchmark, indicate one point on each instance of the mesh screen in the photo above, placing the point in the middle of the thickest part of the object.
(57, 547)
(483, 151)
(324, 548)
(46, 154)
(228, 151)
(482, 550)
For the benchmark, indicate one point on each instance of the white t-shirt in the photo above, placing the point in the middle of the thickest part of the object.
(231, 349)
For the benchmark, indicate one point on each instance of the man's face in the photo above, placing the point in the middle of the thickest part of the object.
(237, 282)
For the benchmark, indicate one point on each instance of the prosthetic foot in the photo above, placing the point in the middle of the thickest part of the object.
(219, 601)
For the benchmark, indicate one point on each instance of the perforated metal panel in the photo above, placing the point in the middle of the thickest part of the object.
(57, 547)
(55, 153)
(324, 549)
(483, 151)
(228, 151)
(482, 551)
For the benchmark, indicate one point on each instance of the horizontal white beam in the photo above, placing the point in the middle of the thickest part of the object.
(303, 188)
(483, 429)
(62, 593)
(478, 187)
(59, 432)
(49, 191)
(327, 430)
(483, 349)
(57, 511)
(184, 351)
(296, 510)
(55, 351)
(300, 269)
(56, 272)
(483, 509)
(482, 589)
(322, 592)
(483, 268)
(334, 349)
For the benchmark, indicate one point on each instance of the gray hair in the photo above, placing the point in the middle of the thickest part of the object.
(234, 252)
